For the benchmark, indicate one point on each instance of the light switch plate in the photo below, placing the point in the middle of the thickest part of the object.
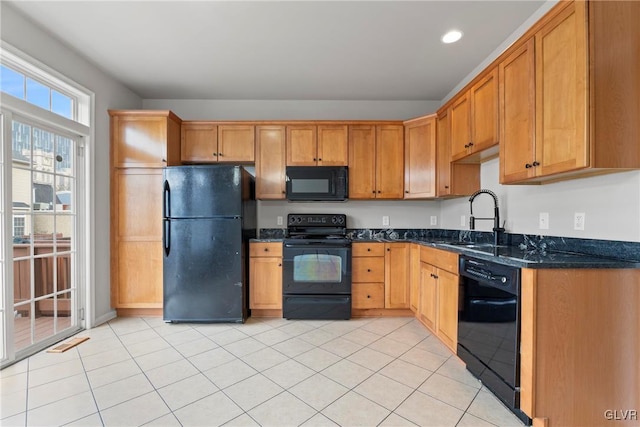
(434, 220)
(279, 220)
(385, 220)
(543, 221)
(578, 220)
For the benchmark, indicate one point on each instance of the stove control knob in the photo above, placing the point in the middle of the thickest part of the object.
(334, 219)
(299, 219)
(341, 220)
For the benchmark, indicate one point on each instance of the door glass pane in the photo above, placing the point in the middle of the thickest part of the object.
(43, 149)
(317, 268)
(65, 306)
(22, 325)
(44, 319)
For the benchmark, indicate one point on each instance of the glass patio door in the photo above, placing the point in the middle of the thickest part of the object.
(43, 222)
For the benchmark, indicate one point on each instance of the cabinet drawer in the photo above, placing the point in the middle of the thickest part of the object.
(442, 259)
(367, 249)
(367, 295)
(272, 249)
(368, 269)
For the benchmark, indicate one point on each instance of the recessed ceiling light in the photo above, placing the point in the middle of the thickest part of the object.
(452, 36)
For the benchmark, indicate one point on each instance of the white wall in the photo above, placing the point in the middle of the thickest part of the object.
(211, 109)
(611, 204)
(21, 33)
(360, 213)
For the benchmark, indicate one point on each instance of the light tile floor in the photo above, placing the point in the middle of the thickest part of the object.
(268, 372)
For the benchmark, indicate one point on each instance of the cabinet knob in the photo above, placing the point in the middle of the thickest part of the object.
(406, 191)
(215, 154)
(314, 159)
(536, 163)
(283, 192)
(220, 154)
(379, 191)
(466, 145)
(266, 249)
(319, 159)
(368, 249)
(435, 276)
(368, 270)
(374, 191)
(164, 160)
(388, 249)
(528, 165)
(446, 186)
(279, 265)
(368, 296)
(471, 144)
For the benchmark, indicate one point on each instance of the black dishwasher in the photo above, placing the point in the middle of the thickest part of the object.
(489, 327)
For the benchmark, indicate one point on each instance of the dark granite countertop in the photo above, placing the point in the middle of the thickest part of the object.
(519, 251)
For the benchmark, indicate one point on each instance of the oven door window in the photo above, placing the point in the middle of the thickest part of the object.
(310, 268)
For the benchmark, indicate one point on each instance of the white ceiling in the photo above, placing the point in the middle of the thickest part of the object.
(301, 50)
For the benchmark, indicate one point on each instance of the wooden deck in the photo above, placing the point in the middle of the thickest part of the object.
(44, 327)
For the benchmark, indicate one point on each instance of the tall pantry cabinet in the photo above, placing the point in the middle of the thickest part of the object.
(142, 143)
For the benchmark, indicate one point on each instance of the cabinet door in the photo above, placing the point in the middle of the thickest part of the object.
(389, 162)
(420, 159)
(362, 162)
(368, 295)
(448, 308)
(302, 147)
(484, 112)
(414, 271)
(397, 273)
(517, 115)
(562, 93)
(333, 145)
(236, 143)
(428, 296)
(265, 283)
(453, 179)
(270, 162)
(139, 140)
(460, 116)
(137, 238)
(199, 143)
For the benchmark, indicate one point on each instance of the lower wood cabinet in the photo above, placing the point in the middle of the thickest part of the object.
(136, 255)
(367, 275)
(439, 287)
(380, 275)
(265, 276)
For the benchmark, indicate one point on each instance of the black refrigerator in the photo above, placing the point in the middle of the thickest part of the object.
(209, 215)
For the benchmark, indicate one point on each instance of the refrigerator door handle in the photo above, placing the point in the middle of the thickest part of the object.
(166, 200)
(166, 236)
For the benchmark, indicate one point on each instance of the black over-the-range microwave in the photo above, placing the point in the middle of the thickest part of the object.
(317, 183)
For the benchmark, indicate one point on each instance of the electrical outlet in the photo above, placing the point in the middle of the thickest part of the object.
(434, 220)
(543, 221)
(279, 220)
(385, 220)
(463, 220)
(578, 220)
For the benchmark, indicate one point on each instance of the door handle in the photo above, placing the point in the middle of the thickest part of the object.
(166, 200)
(166, 236)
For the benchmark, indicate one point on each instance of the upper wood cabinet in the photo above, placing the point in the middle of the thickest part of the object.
(270, 162)
(420, 158)
(453, 179)
(146, 139)
(474, 118)
(376, 161)
(322, 145)
(206, 142)
(569, 99)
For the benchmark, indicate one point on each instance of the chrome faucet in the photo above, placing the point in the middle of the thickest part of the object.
(497, 230)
